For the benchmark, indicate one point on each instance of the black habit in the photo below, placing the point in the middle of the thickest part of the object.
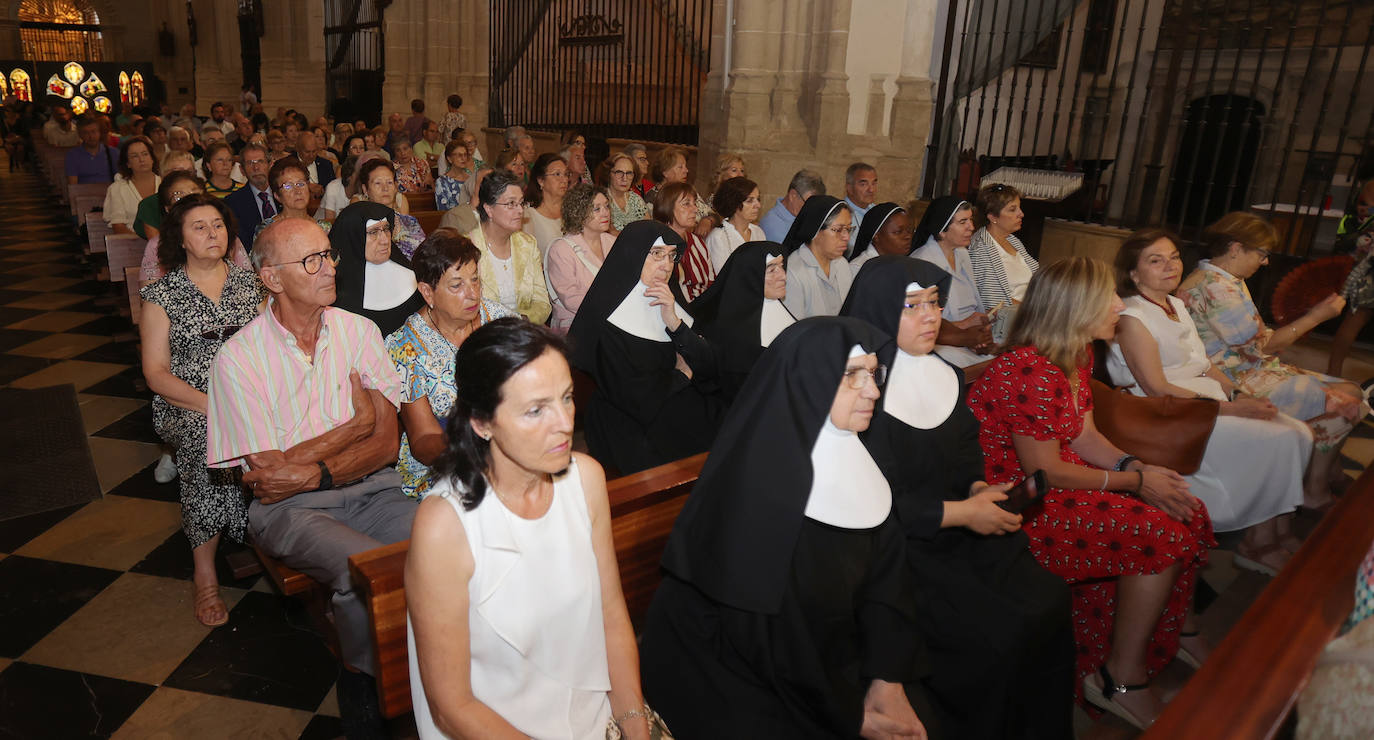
(645, 412)
(996, 624)
(769, 623)
(348, 237)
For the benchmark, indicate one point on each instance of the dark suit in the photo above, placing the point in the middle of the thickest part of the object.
(247, 212)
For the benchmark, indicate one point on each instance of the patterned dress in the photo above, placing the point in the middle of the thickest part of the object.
(211, 500)
(635, 210)
(1088, 538)
(1235, 335)
(408, 234)
(425, 360)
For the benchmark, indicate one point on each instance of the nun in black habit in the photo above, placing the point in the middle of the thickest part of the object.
(742, 312)
(785, 610)
(996, 625)
(373, 278)
(655, 399)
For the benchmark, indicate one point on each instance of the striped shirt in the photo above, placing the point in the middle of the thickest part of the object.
(266, 394)
(697, 271)
(990, 272)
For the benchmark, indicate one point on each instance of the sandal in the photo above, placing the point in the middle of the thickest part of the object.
(1100, 689)
(1184, 654)
(1256, 560)
(207, 600)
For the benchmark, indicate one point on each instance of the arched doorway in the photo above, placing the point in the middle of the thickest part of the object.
(1215, 159)
(59, 30)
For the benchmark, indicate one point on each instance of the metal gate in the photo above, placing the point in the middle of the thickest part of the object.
(59, 31)
(355, 70)
(609, 68)
(1174, 111)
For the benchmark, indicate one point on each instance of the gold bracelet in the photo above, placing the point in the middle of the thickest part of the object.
(642, 711)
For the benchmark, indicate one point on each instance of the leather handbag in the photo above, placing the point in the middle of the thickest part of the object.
(1167, 431)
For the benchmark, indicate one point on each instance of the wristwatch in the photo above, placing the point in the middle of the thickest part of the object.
(326, 478)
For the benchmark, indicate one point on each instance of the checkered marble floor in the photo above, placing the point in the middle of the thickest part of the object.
(97, 637)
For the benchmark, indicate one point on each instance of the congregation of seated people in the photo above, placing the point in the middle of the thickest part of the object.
(870, 381)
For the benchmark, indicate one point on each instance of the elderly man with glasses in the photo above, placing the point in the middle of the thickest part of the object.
(304, 398)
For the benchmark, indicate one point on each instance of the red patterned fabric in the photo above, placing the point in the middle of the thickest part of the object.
(697, 271)
(1086, 537)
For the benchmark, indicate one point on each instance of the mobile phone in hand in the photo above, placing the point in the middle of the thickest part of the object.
(1025, 494)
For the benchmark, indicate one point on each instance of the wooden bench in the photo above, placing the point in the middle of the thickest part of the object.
(1252, 680)
(643, 508)
(133, 282)
(84, 198)
(429, 220)
(421, 201)
(123, 250)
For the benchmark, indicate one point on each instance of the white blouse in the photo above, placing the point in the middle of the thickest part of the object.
(725, 239)
(1181, 351)
(121, 201)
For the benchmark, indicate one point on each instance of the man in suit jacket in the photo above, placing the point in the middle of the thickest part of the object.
(253, 203)
(318, 169)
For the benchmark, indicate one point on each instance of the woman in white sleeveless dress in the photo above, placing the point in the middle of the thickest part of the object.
(517, 624)
(1252, 470)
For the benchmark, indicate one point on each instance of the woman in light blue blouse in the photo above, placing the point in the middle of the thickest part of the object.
(424, 349)
(455, 187)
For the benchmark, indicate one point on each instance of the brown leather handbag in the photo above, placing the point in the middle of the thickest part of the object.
(1168, 431)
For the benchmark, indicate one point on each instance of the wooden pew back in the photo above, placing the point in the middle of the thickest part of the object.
(643, 508)
(1251, 681)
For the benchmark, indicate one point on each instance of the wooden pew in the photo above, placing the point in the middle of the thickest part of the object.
(123, 250)
(133, 282)
(96, 231)
(1251, 681)
(643, 508)
(429, 220)
(83, 198)
(421, 201)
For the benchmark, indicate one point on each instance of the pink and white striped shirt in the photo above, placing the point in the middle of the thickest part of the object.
(266, 394)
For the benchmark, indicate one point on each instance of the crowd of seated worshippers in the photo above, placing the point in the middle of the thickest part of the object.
(853, 495)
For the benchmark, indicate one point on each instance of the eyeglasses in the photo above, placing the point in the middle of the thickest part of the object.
(312, 262)
(508, 204)
(658, 254)
(1263, 253)
(930, 305)
(841, 230)
(623, 173)
(377, 230)
(289, 186)
(858, 377)
(221, 332)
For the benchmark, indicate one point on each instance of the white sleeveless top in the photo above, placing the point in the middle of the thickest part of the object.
(534, 617)
(1181, 352)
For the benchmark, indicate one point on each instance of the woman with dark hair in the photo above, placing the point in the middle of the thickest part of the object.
(373, 277)
(454, 187)
(818, 276)
(785, 611)
(377, 183)
(187, 315)
(676, 207)
(1239, 344)
(670, 166)
(137, 180)
(425, 347)
(575, 258)
(219, 168)
(737, 201)
(510, 266)
(742, 312)
(942, 239)
(290, 184)
(1252, 468)
(884, 229)
(994, 622)
(654, 402)
(543, 218)
(1002, 268)
(517, 623)
(1129, 538)
(175, 186)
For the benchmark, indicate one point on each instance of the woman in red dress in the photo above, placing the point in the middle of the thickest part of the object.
(1128, 537)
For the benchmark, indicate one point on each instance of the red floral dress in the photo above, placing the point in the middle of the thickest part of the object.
(1088, 538)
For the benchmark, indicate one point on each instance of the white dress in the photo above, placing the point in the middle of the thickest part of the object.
(534, 617)
(1252, 470)
(543, 229)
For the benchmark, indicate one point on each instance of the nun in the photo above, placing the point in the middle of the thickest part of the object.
(818, 276)
(373, 277)
(785, 610)
(742, 312)
(655, 399)
(997, 625)
(885, 229)
(942, 239)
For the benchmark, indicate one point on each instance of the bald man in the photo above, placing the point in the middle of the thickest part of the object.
(304, 398)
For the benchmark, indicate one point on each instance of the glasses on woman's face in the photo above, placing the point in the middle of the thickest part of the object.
(843, 231)
(932, 304)
(377, 231)
(858, 377)
(507, 204)
(659, 254)
(312, 263)
(289, 186)
(623, 173)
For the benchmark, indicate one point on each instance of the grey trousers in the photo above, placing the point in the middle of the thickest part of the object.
(315, 533)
